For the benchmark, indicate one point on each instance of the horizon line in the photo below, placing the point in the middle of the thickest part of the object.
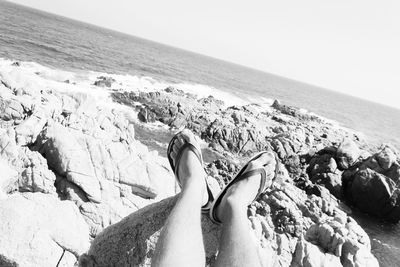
(212, 57)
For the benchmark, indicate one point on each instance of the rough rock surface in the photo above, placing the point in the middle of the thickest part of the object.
(373, 185)
(67, 148)
(291, 228)
(104, 81)
(40, 230)
(131, 242)
(64, 144)
(347, 154)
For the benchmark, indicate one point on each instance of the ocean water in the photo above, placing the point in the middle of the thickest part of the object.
(31, 35)
(57, 42)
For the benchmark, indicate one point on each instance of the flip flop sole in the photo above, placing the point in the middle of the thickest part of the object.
(239, 176)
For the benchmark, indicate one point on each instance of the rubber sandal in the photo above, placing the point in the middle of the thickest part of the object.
(240, 176)
(188, 145)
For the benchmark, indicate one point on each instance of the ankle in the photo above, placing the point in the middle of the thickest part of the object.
(235, 202)
(193, 192)
(232, 206)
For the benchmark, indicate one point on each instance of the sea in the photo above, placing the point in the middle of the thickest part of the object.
(57, 42)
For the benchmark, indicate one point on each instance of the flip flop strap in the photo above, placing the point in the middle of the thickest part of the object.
(253, 173)
(241, 177)
(180, 153)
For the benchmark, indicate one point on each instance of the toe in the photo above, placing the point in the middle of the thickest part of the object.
(187, 135)
(266, 160)
(186, 132)
(191, 138)
(269, 163)
(180, 141)
(173, 156)
(177, 144)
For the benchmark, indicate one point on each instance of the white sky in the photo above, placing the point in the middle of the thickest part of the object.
(351, 46)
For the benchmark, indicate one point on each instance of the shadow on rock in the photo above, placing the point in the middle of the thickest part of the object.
(132, 241)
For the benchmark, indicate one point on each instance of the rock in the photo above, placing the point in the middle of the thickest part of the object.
(32, 170)
(171, 89)
(394, 172)
(131, 242)
(28, 130)
(386, 158)
(37, 229)
(347, 154)
(293, 212)
(276, 104)
(308, 254)
(279, 221)
(146, 115)
(332, 181)
(104, 81)
(35, 175)
(8, 179)
(371, 185)
(292, 111)
(375, 194)
(65, 144)
(100, 167)
(13, 110)
(323, 170)
(350, 244)
(237, 117)
(66, 152)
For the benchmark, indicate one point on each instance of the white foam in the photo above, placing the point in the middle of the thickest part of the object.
(201, 90)
(36, 77)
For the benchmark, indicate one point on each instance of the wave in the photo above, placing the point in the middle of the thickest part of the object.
(39, 77)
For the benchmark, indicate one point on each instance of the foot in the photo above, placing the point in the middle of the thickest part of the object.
(242, 193)
(190, 170)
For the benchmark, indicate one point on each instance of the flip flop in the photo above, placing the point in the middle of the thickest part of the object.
(240, 176)
(191, 146)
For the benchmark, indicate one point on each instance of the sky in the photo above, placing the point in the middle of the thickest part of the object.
(350, 46)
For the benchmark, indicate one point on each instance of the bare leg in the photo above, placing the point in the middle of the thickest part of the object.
(181, 242)
(237, 247)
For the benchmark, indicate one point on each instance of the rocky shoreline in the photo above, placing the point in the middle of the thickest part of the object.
(78, 186)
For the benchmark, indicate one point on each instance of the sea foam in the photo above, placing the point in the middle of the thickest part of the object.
(37, 77)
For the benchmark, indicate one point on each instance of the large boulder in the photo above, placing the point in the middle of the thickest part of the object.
(375, 194)
(385, 162)
(102, 168)
(66, 153)
(65, 141)
(350, 243)
(278, 222)
(32, 171)
(40, 230)
(372, 185)
(131, 242)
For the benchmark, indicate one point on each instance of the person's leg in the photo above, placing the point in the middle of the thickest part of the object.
(237, 246)
(181, 242)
